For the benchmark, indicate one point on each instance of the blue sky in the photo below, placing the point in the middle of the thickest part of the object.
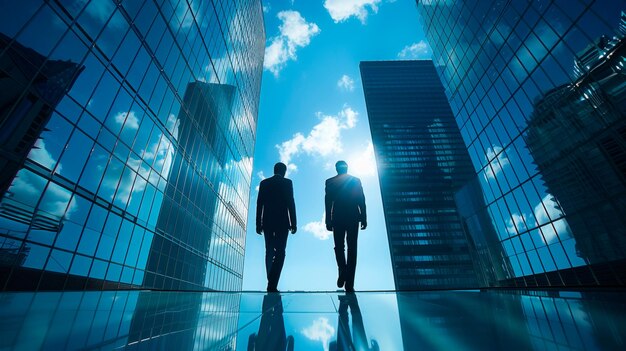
(312, 114)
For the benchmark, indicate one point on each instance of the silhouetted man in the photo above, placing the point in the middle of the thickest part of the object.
(275, 216)
(345, 208)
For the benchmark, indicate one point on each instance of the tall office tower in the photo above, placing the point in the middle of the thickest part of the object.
(422, 163)
(128, 129)
(537, 91)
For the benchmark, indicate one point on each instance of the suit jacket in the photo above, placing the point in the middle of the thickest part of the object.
(275, 207)
(345, 201)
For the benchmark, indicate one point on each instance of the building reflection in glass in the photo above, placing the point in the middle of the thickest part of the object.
(536, 89)
(577, 136)
(106, 172)
(445, 320)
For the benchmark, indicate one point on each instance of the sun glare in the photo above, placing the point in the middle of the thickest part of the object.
(363, 164)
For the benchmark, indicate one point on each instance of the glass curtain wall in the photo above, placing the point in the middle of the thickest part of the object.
(422, 163)
(538, 89)
(127, 131)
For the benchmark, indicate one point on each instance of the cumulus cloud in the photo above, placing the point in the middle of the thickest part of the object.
(419, 50)
(544, 212)
(516, 224)
(437, 2)
(496, 163)
(27, 187)
(261, 176)
(548, 209)
(341, 10)
(318, 229)
(320, 330)
(159, 153)
(186, 12)
(100, 11)
(323, 140)
(295, 32)
(345, 83)
(130, 118)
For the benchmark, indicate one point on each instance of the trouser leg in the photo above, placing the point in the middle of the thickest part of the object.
(339, 235)
(352, 232)
(280, 243)
(269, 252)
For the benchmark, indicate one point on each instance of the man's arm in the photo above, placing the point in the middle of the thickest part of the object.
(328, 204)
(260, 201)
(292, 207)
(361, 202)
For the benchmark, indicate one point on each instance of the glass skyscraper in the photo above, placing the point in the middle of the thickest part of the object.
(127, 131)
(422, 163)
(538, 91)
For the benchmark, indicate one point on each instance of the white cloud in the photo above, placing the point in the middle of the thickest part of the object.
(323, 140)
(27, 187)
(318, 229)
(295, 32)
(186, 11)
(557, 228)
(261, 176)
(341, 10)
(496, 164)
(419, 50)
(436, 2)
(160, 154)
(101, 11)
(545, 211)
(516, 224)
(363, 164)
(41, 155)
(266, 8)
(320, 330)
(345, 83)
(130, 118)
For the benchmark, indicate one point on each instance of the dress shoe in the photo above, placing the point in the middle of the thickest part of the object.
(341, 281)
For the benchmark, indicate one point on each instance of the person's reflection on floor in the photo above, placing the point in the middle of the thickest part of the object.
(358, 340)
(271, 335)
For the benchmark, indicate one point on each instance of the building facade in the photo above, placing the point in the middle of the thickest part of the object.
(127, 132)
(537, 90)
(422, 163)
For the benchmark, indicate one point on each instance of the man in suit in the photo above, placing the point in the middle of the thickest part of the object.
(345, 208)
(275, 217)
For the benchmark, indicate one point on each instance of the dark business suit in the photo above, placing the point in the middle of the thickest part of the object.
(275, 215)
(345, 208)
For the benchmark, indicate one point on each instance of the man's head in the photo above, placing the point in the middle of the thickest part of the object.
(280, 169)
(341, 167)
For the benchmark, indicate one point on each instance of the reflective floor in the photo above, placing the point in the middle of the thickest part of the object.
(448, 320)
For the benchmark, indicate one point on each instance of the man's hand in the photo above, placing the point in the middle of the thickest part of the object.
(329, 227)
(259, 230)
(293, 229)
(363, 225)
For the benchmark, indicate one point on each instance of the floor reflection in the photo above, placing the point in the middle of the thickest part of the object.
(271, 335)
(358, 339)
(444, 320)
